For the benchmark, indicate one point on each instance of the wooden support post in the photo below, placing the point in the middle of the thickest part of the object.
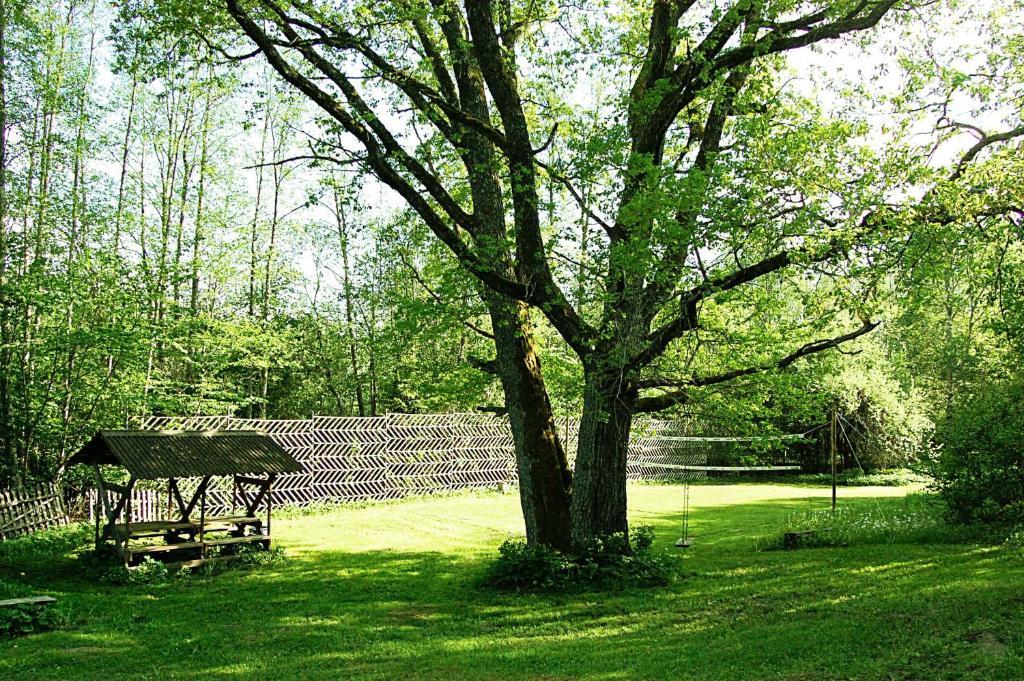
(101, 496)
(270, 504)
(202, 518)
(97, 510)
(96, 524)
(246, 500)
(254, 505)
(111, 514)
(127, 520)
(200, 492)
(172, 485)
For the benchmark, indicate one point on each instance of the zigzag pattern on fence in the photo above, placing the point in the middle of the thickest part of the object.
(391, 456)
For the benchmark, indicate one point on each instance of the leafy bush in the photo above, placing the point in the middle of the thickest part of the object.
(979, 467)
(915, 519)
(154, 572)
(255, 556)
(899, 477)
(30, 619)
(602, 563)
(245, 556)
(42, 547)
(884, 422)
(1015, 540)
(149, 571)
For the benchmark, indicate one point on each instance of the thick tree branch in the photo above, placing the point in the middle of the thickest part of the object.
(809, 29)
(537, 288)
(422, 95)
(711, 57)
(986, 141)
(367, 116)
(498, 68)
(377, 158)
(669, 399)
(661, 44)
(437, 63)
(686, 320)
(667, 272)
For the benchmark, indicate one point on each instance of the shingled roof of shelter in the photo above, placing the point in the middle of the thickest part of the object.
(152, 455)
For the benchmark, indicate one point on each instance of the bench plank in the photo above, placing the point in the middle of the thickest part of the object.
(160, 548)
(238, 540)
(233, 519)
(30, 600)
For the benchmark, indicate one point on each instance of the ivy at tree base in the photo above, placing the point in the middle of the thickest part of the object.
(604, 563)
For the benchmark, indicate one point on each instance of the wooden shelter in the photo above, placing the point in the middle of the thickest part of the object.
(189, 536)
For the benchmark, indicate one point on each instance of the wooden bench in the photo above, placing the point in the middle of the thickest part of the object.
(154, 528)
(41, 601)
(142, 551)
(234, 519)
(231, 523)
(134, 551)
(793, 539)
(158, 528)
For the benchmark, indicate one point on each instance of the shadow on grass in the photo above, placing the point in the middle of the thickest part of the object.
(902, 611)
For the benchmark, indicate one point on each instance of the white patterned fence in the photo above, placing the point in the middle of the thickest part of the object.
(391, 456)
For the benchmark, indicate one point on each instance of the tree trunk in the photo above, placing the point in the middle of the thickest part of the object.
(599, 485)
(125, 150)
(198, 234)
(544, 477)
(339, 214)
(6, 340)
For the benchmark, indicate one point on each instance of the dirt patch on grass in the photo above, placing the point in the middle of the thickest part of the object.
(989, 644)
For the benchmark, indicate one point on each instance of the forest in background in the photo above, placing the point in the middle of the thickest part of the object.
(177, 240)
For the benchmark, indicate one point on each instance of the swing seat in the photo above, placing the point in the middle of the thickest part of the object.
(684, 542)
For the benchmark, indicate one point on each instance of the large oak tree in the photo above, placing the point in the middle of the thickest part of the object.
(694, 209)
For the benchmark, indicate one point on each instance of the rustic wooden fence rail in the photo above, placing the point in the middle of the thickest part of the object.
(395, 455)
(147, 504)
(35, 508)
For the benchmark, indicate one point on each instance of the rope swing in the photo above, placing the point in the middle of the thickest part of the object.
(685, 541)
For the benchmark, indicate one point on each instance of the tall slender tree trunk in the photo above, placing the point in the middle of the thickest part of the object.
(278, 142)
(343, 238)
(125, 148)
(76, 236)
(188, 168)
(254, 227)
(144, 264)
(198, 234)
(10, 456)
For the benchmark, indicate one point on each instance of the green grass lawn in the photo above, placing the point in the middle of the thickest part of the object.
(388, 592)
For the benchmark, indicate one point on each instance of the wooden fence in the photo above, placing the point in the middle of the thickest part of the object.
(37, 507)
(147, 504)
(395, 455)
